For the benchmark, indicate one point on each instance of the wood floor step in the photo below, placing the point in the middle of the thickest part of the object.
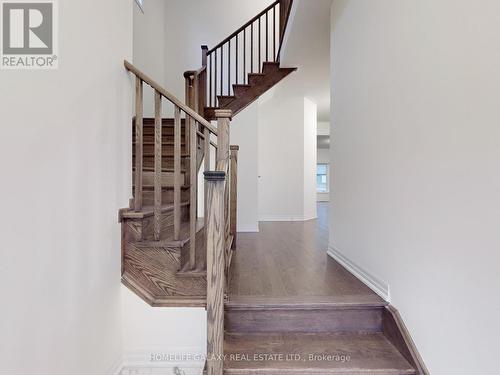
(306, 317)
(167, 178)
(224, 100)
(168, 241)
(269, 66)
(304, 302)
(254, 78)
(147, 211)
(320, 353)
(240, 89)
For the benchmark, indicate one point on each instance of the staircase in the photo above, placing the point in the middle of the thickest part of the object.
(312, 336)
(173, 257)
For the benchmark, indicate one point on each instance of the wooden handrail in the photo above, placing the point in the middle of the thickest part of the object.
(243, 27)
(172, 98)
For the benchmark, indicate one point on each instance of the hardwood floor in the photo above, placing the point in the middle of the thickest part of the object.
(287, 297)
(306, 353)
(287, 261)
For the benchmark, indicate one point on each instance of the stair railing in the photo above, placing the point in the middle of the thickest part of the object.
(193, 122)
(244, 51)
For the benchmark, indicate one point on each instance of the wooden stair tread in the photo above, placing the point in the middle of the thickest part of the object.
(363, 354)
(146, 187)
(304, 302)
(148, 211)
(245, 94)
(168, 240)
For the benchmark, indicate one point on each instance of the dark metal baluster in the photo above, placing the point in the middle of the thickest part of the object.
(221, 70)
(274, 33)
(267, 36)
(210, 79)
(237, 58)
(229, 68)
(251, 48)
(245, 56)
(259, 66)
(215, 80)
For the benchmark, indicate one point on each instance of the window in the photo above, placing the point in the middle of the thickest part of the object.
(322, 178)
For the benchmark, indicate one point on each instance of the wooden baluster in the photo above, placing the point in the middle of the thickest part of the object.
(233, 179)
(158, 167)
(193, 180)
(223, 120)
(216, 244)
(177, 173)
(138, 145)
(206, 156)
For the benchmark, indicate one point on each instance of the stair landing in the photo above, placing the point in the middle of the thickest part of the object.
(305, 353)
(293, 309)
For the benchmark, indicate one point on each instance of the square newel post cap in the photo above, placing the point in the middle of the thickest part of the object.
(234, 148)
(224, 113)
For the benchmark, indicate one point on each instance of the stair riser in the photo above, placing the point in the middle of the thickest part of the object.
(166, 197)
(135, 230)
(167, 150)
(167, 163)
(148, 179)
(303, 320)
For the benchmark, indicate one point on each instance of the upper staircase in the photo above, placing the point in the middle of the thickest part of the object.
(242, 67)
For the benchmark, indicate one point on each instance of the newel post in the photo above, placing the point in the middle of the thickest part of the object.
(204, 53)
(215, 240)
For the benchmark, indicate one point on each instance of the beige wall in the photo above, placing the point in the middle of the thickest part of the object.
(416, 188)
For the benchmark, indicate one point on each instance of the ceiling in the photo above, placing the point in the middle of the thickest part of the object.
(307, 46)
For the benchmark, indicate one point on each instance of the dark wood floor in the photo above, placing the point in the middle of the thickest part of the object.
(289, 260)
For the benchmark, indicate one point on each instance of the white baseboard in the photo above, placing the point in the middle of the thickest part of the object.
(248, 228)
(286, 217)
(372, 282)
(189, 360)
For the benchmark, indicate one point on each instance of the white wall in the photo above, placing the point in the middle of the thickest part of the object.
(65, 158)
(149, 48)
(244, 132)
(415, 87)
(287, 157)
(151, 331)
(310, 157)
(323, 128)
